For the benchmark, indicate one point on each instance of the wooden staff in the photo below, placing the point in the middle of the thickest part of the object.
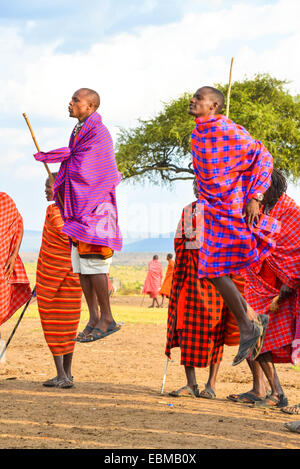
(229, 89)
(38, 149)
(16, 326)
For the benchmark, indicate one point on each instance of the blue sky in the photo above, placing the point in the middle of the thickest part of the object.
(137, 54)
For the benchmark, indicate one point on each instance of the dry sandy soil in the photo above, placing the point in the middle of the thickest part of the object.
(116, 400)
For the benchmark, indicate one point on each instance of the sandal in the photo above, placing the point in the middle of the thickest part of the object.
(272, 401)
(245, 398)
(293, 410)
(59, 383)
(186, 391)
(97, 333)
(207, 393)
(64, 383)
(82, 335)
(247, 347)
(50, 383)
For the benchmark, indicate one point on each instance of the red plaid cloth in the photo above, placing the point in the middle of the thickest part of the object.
(15, 291)
(202, 333)
(230, 167)
(263, 284)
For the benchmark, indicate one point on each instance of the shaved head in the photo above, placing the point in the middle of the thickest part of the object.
(84, 102)
(206, 101)
(91, 96)
(216, 95)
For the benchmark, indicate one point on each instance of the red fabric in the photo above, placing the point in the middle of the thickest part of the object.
(195, 320)
(14, 292)
(230, 167)
(153, 279)
(167, 283)
(282, 266)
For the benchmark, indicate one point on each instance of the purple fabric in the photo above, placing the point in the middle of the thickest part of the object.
(86, 182)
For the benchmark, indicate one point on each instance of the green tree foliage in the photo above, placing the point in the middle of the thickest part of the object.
(159, 149)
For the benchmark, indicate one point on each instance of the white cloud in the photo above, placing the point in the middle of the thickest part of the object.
(135, 72)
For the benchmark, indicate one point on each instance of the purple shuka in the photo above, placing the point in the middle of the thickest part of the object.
(86, 182)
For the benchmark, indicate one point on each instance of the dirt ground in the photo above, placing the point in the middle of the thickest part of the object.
(116, 401)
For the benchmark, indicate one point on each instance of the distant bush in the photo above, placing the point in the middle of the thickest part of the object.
(130, 288)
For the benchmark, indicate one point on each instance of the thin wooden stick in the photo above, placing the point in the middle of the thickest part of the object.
(229, 88)
(17, 324)
(38, 149)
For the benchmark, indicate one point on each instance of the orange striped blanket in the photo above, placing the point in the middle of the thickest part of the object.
(58, 288)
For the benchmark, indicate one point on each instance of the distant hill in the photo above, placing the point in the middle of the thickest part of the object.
(160, 244)
(31, 241)
(164, 243)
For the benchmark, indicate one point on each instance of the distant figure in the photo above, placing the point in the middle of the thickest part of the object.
(14, 284)
(153, 280)
(167, 283)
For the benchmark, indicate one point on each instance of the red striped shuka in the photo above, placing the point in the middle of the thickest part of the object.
(198, 321)
(58, 288)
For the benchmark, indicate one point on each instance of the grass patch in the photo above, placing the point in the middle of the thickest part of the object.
(124, 313)
(129, 280)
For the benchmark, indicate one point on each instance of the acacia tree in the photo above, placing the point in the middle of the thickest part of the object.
(158, 149)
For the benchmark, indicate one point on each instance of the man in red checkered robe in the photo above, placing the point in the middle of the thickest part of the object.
(233, 171)
(14, 284)
(278, 276)
(198, 320)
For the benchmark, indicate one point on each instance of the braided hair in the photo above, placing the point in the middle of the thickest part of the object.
(277, 188)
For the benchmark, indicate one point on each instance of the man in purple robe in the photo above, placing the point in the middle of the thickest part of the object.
(84, 191)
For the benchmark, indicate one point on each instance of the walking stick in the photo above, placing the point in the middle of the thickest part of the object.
(16, 326)
(165, 375)
(229, 89)
(38, 149)
(142, 301)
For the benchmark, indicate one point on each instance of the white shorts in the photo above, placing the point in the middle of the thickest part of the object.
(82, 265)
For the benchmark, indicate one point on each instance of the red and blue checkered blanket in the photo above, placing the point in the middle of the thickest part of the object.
(230, 167)
(282, 266)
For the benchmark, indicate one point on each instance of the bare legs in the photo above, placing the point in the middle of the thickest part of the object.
(95, 289)
(155, 301)
(236, 303)
(190, 376)
(211, 383)
(64, 377)
(266, 362)
(63, 366)
(259, 388)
